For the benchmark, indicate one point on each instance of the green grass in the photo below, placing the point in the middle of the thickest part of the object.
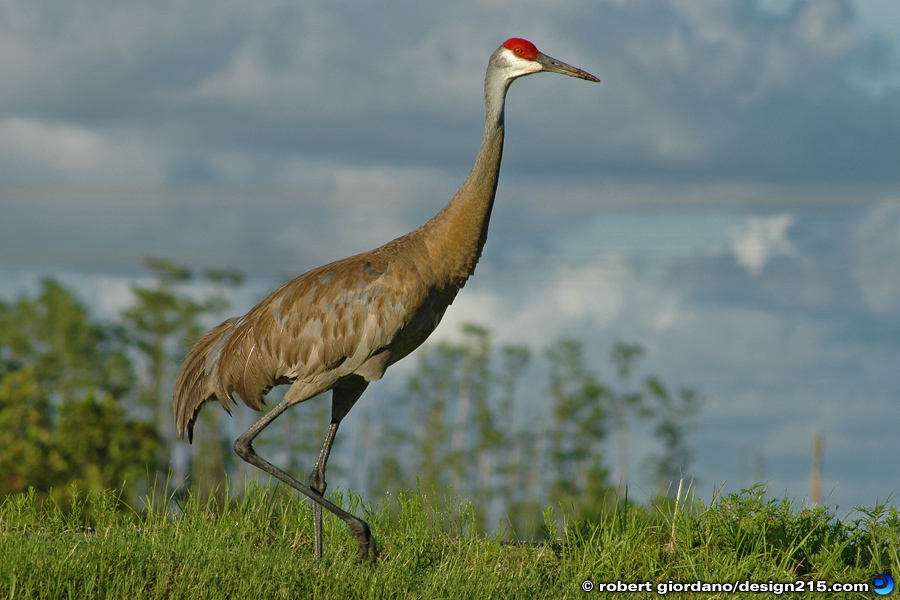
(259, 545)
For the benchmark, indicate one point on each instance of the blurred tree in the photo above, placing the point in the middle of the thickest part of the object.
(162, 325)
(671, 411)
(102, 448)
(429, 397)
(624, 404)
(457, 439)
(520, 454)
(63, 379)
(70, 354)
(473, 424)
(579, 485)
(462, 423)
(29, 456)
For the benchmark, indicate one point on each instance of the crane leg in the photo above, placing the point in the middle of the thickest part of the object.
(342, 400)
(243, 446)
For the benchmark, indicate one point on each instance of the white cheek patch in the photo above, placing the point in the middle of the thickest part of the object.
(515, 66)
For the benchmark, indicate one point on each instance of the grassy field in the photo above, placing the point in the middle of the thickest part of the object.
(259, 545)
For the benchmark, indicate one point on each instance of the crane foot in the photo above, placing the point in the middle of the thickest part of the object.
(368, 550)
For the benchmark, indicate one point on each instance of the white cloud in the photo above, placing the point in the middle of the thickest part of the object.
(760, 240)
(61, 147)
(690, 89)
(823, 26)
(73, 153)
(246, 78)
(580, 301)
(876, 241)
(772, 370)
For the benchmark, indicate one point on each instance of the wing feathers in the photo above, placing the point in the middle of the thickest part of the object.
(324, 324)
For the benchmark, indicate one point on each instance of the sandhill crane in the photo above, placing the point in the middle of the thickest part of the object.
(340, 326)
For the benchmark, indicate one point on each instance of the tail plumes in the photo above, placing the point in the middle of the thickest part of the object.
(200, 380)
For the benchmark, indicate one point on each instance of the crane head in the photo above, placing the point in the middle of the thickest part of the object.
(518, 57)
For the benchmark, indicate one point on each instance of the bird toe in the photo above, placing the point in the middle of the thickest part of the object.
(368, 549)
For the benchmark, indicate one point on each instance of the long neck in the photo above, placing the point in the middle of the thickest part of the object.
(456, 235)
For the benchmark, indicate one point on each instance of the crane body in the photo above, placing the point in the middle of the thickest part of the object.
(340, 326)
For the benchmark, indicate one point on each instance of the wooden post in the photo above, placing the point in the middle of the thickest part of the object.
(816, 475)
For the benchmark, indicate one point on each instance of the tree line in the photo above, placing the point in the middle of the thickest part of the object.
(509, 427)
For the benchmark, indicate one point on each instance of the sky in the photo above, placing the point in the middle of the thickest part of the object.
(728, 195)
(294, 93)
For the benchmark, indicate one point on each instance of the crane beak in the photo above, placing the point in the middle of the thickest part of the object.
(551, 65)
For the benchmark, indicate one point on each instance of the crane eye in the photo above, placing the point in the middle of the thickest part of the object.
(518, 50)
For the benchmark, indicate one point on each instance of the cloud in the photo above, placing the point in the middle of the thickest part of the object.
(775, 302)
(691, 90)
(765, 318)
(876, 248)
(759, 240)
(61, 152)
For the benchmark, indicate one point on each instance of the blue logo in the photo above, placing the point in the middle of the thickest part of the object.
(884, 585)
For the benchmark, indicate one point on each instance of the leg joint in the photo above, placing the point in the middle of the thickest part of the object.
(243, 447)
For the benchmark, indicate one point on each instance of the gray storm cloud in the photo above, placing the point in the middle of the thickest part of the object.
(277, 93)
